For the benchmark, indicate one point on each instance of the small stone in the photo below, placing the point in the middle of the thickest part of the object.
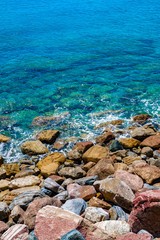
(59, 144)
(147, 151)
(24, 173)
(73, 235)
(67, 182)
(95, 153)
(120, 166)
(24, 182)
(87, 166)
(55, 157)
(4, 211)
(57, 179)
(33, 148)
(156, 154)
(129, 160)
(74, 155)
(18, 231)
(4, 138)
(76, 206)
(4, 184)
(86, 180)
(96, 202)
(105, 138)
(77, 191)
(63, 196)
(17, 214)
(32, 236)
(48, 136)
(95, 214)
(144, 231)
(47, 191)
(117, 213)
(129, 142)
(72, 172)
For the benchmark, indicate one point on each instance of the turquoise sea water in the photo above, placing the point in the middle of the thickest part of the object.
(81, 56)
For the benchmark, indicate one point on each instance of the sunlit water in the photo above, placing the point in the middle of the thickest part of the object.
(79, 56)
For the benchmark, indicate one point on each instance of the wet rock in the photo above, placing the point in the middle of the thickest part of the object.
(86, 180)
(114, 228)
(147, 151)
(56, 217)
(35, 206)
(33, 148)
(72, 172)
(40, 121)
(18, 231)
(3, 227)
(115, 146)
(4, 211)
(141, 118)
(152, 141)
(105, 138)
(133, 181)
(10, 168)
(96, 202)
(95, 153)
(24, 199)
(141, 133)
(59, 144)
(77, 191)
(102, 169)
(74, 155)
(4, 138)
(118, 192)
(83, 146)
(117, 213)
(147, 172)
(4, 184)
(133, 236)
(48, 136)
(129, 142)
(73, 235)
(146, 212)
(24, 182)
(76, 205)
(115, 122)
(17, 215)
(95, 214)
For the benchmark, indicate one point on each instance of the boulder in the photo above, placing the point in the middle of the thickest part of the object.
(4, 138)
(129, 142)
(83, 146)
(152, 141)
(147, 173)
(77, 191)
(141, 133)
(146, 212)
(102, 169)
(133, 181)
(95, 214)
(95, 153)
(133, 236)
(52, 223)
(35, 206)
(4, 211)
(33, 148)
(3, 227)
(24, 199)
(105, 138)
(73, 235)
(99, 203)
(18, 231)
(24, 182)
(118, 192)
(72, 172)
(76, 205)
(114, 228)
(48, 136)
(141, 118)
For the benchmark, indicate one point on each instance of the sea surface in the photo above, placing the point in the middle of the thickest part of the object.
(86, 61)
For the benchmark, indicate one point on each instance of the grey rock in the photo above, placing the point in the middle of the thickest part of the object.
(156, 154)
(95, 214)
(4, 211)
(86, 180)
(52, 185)
(115, 146)
(73, 235)
(77, 205)
(47, 191)
(67, 182)
(117, 213)
(146, 185)
(63, 196)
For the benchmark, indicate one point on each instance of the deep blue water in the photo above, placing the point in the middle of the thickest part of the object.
(81, 56)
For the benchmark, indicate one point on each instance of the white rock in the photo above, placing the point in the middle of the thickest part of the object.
(95, 214)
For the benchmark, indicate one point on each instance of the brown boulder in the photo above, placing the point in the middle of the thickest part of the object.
(48, 136)
(83, 146)
(141, 118)
(141, 133)
(95, 153)
(103, 169)
(10, 168)
(40, 121)
(152, 141)
(105, 138)
(33, 148)
(129, 142)
(59, 144)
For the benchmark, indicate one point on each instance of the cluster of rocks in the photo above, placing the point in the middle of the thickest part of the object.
(109, 189)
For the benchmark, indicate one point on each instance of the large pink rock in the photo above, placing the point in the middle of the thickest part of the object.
(133, 181)
(77, 191)
(146, 212)
(133, 236)
(18, 231)
(35, 206)
(52, 223)
(152, 141)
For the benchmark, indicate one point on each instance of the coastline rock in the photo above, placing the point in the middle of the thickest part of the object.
(74, 155)
(77, 205)
(10, 168)
(105, 138)
(4, 138)
(49, 222)
(18, 231)
(48, 136)
(129, 142)
(57, 179)
(1, 160)
(141, 118)
(52, 185)
(83, 146)
(22, 182)
(33, 148)
(147, 151)
(94, 214)
(118, 192)
(133, 181)
(35, 206)
(4, 184)
(24, 173)
(152, 141)
(95, 153)
(4, 211)
(141, 133)
(96, 202)
(17, 215)
(72, 172)
(115, 146)
(86, 180)
(40, 121)
(146, 213)
(59, 144)
(88, 165)
(76, 191)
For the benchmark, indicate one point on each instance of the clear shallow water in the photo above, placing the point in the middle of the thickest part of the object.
(77, 56)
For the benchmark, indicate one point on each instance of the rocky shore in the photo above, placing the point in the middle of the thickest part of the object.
(102, 190)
